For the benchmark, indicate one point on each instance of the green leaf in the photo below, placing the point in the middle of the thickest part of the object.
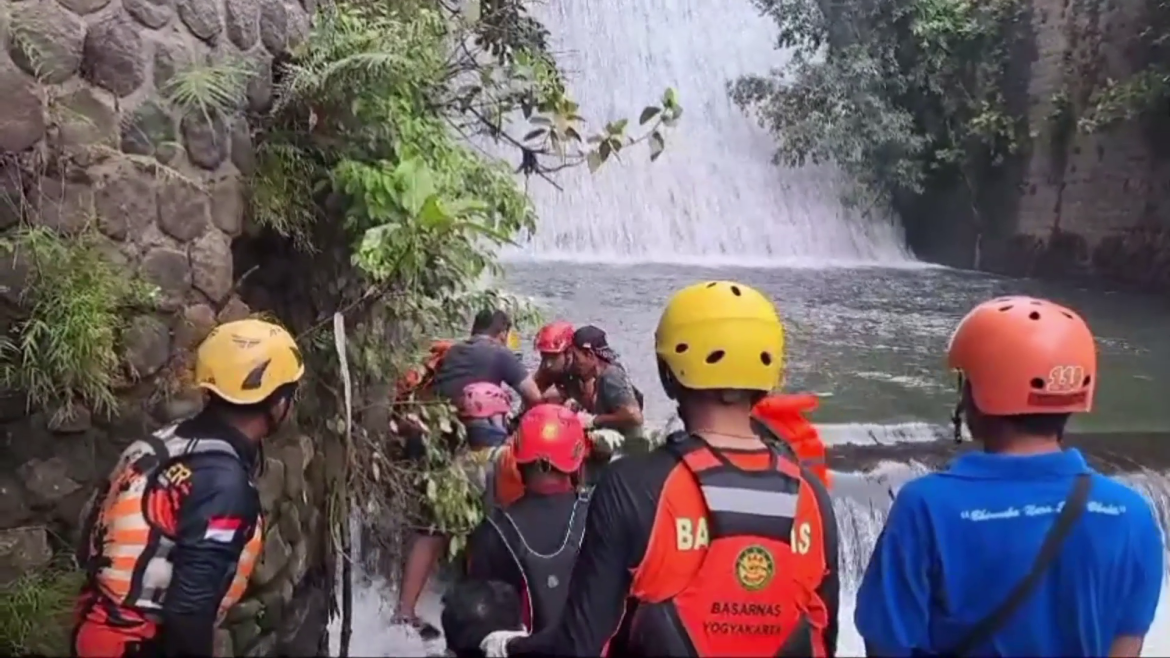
(432, 214)
(657, 145)
(533, 134)
(594, 160)
(616, 127)
(669, 98)
(604, 150)
(648, 113)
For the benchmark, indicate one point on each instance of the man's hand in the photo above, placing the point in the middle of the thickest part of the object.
(606, 441)
(495, 645)
(586, 419)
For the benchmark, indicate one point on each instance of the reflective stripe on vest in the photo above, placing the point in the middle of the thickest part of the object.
(131, 563)
(762, 503)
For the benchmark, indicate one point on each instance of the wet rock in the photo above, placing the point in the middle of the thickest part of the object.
(84, 6)
(184, 209)
(151, 13)
(259, 91)
(310, 6)
(64, 206)
(273, 610)
(23, 112)
(52, 41)
(245, 610)
(243, 635)
(14, 509)
(298, 563)
(295, 462)
(170, 57)
(290, 523)
(227, 205)
(47, 480)
(149, 130)
(23, 550)
(114, 56)
(202, 18)
(274, 26)
(146, 345)
(195, 324)
(243, 155)
(211, 265)
(265, 645)
(170, 270)
(125, 201)
(273, 559)
(234, 309)
(243, 22)
(298, 28)
(72, 419)
(87, 119)
(271, 484)
(206, 140)
(221, 646)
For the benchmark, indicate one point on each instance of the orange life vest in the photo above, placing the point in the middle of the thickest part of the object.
(783, 417)
(420, 376)
(127, 548)
(755, 590)
(504, 483)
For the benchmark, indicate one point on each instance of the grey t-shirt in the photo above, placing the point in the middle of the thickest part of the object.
(614, 391)
(479, 359)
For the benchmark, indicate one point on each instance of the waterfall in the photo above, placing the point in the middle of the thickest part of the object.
(714, 197)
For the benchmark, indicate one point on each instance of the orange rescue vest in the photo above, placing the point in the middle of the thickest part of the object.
(755, 593)
(782, 417)
(127, 550)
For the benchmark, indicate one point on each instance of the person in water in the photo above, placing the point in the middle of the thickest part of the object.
(485, 358)
(474, 608)
(610, 399)
(1020, 549)
(170, 540)
(716, 543)
(533, 543)
(554, 376)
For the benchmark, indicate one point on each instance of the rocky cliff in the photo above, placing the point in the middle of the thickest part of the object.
(84, 125)
(1077, 203)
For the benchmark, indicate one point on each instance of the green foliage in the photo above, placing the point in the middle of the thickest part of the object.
(1147, 90)
(36, 612)
(898, 93)
(65, 350)
(373, 142)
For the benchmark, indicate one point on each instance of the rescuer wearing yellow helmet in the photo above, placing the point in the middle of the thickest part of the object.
(727, 545)
(172, 537)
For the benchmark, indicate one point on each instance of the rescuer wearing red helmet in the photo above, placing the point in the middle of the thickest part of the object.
(532, 544)
(554, 376)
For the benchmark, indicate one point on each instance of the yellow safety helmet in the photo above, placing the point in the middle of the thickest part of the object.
(245, 361)
(721, 335)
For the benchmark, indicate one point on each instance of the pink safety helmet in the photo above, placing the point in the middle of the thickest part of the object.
(484, 400)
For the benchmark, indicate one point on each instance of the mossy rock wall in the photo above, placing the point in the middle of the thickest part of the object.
(81, 118)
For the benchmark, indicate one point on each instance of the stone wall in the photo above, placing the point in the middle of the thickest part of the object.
(1093, 205)
(83, 120)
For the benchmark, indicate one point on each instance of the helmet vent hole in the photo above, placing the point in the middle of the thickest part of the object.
(712, 284)
(1006, 308)
(765, 358)
(1037, 382)
(681, 347)
(1033, 316)
(1067, 314)
(735, 291)
(1088, 380)
(716, 356)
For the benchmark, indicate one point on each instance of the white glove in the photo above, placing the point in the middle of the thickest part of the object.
(607, 440)
(586, 419)
(495, 645)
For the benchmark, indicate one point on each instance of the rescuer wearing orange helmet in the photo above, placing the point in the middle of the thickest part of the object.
(172, 537)
(554, 376)
(723, 543)
(1021, 561)
(532, 543)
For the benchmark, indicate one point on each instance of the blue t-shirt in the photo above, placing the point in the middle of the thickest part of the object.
(957, 542)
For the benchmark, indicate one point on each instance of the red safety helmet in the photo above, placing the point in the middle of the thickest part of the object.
(551, 433)
(554, 338)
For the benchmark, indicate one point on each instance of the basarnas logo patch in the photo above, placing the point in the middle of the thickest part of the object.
(754, 568)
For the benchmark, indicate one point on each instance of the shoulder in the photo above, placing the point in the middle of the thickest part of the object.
(614, 375)
(1113, 498)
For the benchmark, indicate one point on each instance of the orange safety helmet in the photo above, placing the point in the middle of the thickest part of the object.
(551, 433)
(1022, 355)
(554, 338)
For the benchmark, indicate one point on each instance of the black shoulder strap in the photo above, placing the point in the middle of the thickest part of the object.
(1074, 508)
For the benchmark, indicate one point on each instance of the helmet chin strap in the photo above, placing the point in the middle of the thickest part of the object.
(957, 414)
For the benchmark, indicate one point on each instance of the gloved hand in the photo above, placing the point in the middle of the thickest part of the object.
(606, 441)
(586, 419)
(495, 645)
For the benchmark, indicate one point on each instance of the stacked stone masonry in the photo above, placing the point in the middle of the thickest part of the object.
(84, 118)
(1088, 204)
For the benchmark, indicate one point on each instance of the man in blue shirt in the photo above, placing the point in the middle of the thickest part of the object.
(957, 544)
